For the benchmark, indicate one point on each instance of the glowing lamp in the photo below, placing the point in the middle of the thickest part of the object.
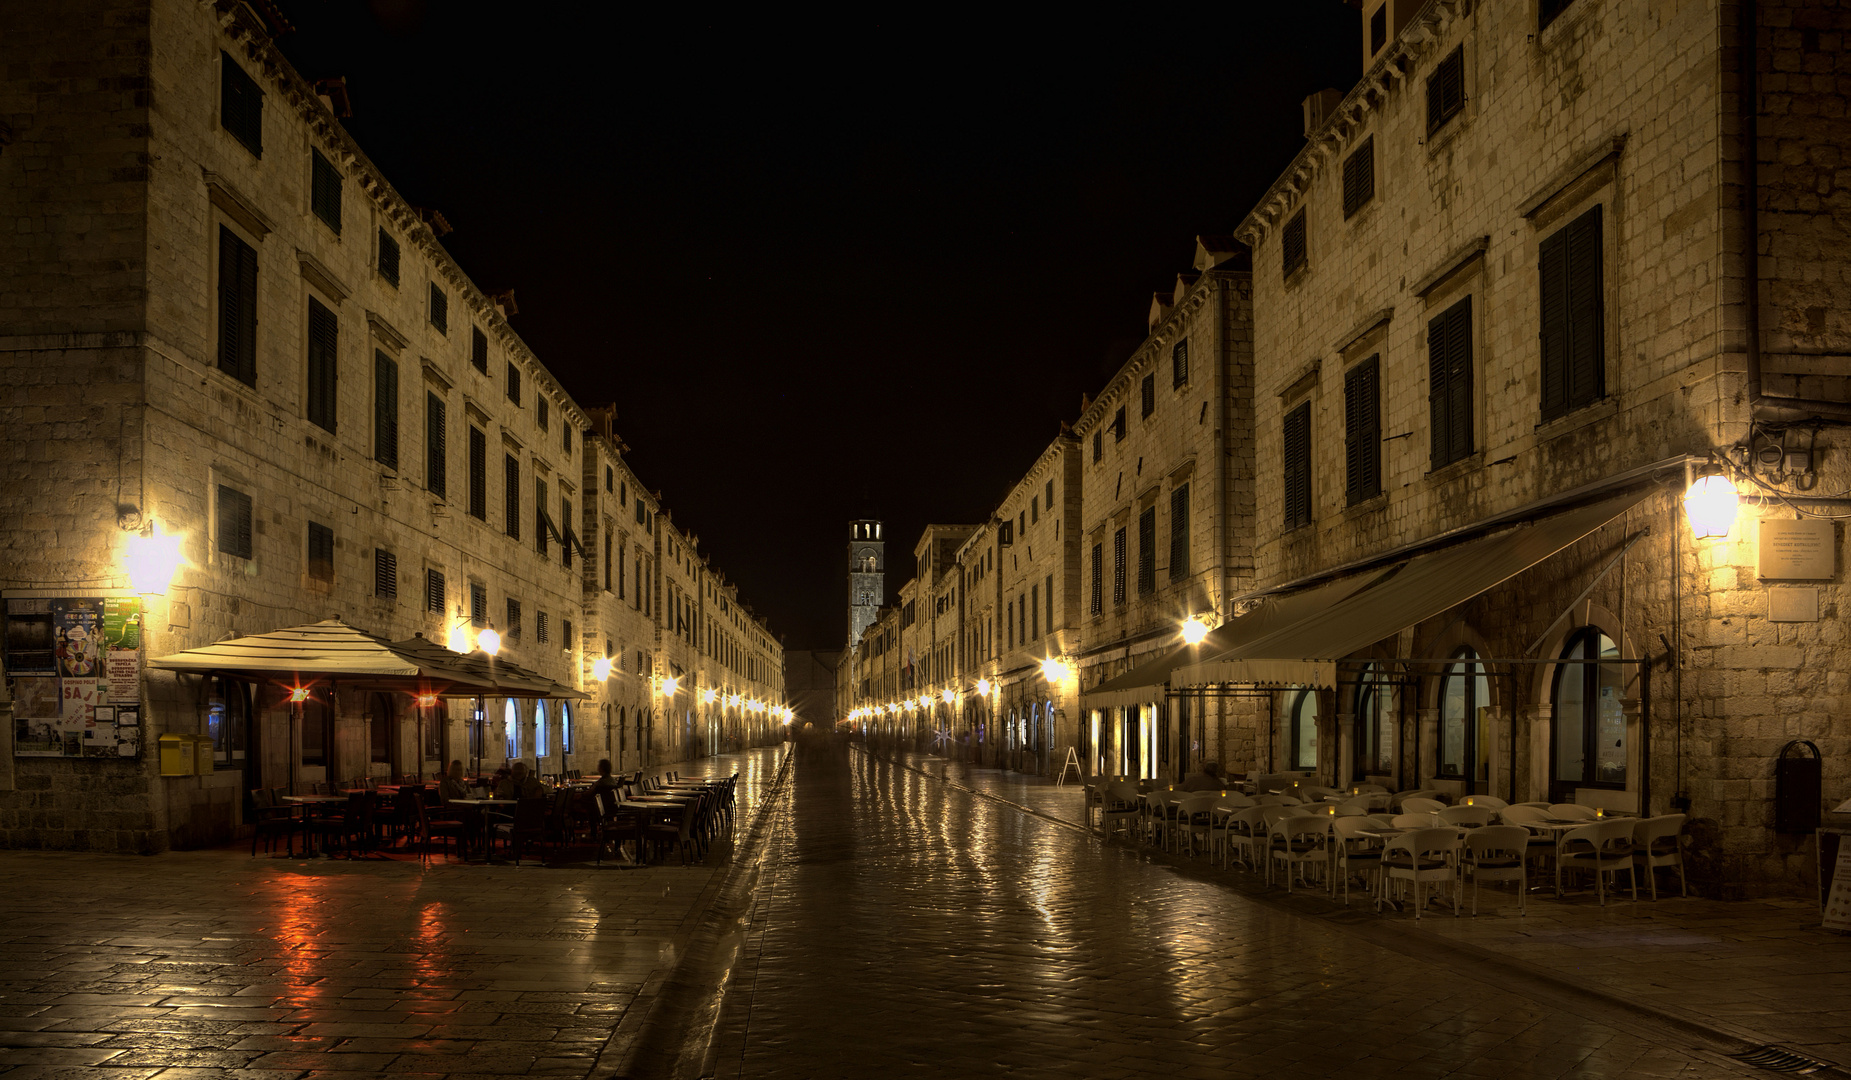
(601, 668)
(1194, 631)
(1053, 670)
(1710, 504)
(950, 696)
(459, 641)
(983, 687)
(298, 694)
(669, 685)
(151, 560)
(425, 701)
(709, 696)
(489, 641)
(733, 701)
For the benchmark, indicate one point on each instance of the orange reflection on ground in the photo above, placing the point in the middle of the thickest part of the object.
(298, 900)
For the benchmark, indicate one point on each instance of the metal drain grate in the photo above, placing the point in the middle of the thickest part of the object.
(1778, 1059)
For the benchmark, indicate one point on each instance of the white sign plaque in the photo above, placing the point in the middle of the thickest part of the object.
(1804, 550)
(1793, 605)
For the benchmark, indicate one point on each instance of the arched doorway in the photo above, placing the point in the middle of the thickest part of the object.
(1465, 725)
(1301, 741)
(1373, 747)
(542, 748)
(511, 730)
(1588, 747)
(382, 735)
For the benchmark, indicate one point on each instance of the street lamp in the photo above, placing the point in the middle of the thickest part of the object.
(669, 685)
(1194, 630)
(489, 641)
(1710, 504)
(601, 668)
(983, 688)
(151, 559)
(1053, 670)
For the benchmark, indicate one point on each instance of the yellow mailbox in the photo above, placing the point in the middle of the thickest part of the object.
(177, 755)
(202, 754)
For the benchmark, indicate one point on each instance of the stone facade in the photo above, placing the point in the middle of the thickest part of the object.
(1525, 263)
(383, 448)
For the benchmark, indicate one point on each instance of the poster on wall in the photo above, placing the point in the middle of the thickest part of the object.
(87, 701)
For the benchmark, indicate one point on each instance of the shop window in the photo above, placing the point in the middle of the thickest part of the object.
(1589, 748)
(228, 721)
(1465, 726)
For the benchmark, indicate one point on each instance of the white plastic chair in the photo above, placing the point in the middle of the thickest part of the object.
(1422, 806)
(1193, 818)
(1568, 811)
(1497, 853)
(1604, 847)
(1471, 817)
(1489, 801)
(1420, 858)
(1356, 854)
(1247, 830)
(1412, 821)
(1656, 842)
(1298, 842)
(1119, 805)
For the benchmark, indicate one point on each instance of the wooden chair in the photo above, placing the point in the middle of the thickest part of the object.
(273, 819)
(527, 826)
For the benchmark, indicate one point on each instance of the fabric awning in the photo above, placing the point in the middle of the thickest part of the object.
(330, 649)
(1145, 682)
(488, 676)
(1412, 592)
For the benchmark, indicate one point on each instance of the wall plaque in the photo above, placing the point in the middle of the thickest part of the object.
(1793, 605)
(1803, 550)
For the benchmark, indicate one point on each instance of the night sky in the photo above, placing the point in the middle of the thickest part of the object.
(827, 268)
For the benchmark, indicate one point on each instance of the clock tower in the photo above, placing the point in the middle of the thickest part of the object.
(867, 577)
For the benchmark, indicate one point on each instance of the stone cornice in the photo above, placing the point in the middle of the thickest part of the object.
(1164, 334)
(1346, 121)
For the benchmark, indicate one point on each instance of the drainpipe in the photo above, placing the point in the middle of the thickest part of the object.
(1748, 102)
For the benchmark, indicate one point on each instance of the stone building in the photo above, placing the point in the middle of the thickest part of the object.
(226, 331)
(1547, 279)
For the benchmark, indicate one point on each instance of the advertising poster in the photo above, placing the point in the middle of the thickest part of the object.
(122, 622)
(37, 706)
(78, 625)
(91, 706)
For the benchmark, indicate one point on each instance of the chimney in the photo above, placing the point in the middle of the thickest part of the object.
(440, 226)
(333, 95)
(1159, 309)
(504, 303)
(1318, 108)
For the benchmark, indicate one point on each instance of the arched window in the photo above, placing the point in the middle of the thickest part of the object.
(380, 713)
(1302, 735)
(1465, 726)
(1590, 727)
(565, 727)
(511, 721)
(1375, 723)
(539, 728)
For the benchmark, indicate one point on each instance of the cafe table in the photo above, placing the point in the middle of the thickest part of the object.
(479, 808)
(308, 803)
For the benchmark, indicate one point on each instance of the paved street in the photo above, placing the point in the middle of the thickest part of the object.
(905, 919)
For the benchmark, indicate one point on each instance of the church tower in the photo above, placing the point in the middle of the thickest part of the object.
(867, 577)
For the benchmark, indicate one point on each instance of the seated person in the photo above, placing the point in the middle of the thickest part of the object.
(1209, 779)
(452, 785)
(605, 781)
(519, 784)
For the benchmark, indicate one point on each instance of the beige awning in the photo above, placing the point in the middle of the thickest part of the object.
(330, 649)
(1412, 592)
(487, 676)
(1145, 683)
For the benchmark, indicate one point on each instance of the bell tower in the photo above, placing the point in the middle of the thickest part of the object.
(867, 576)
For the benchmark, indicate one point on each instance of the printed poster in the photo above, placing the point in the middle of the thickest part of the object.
(122, 622)
(78, 626)
(37, 705)
(92, 707)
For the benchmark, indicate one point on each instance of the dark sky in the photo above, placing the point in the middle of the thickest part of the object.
(827, 267)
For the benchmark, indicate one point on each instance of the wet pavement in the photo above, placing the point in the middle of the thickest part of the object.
(908, 926)
(214, 964)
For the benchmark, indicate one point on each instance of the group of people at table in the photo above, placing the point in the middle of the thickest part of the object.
(1393, 841)
(471, 812)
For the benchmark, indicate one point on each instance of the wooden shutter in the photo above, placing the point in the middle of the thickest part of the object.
(478, 349)
(1585, 317)
(1446, 89)
(1034, 612)
(1147, 551)
(1297, 445)
(511, 490)
(478, 474)
(440, 309)
(385, 410)
(514, 384)
(325, 190)
(234, 522)
(1359, 177)
(388, 258)
(320, 552)
(323, 351)
(1449, 374)
(1179, 363)
(1552, 276)
(1362, 430)
(241, 105)
(385, 574)
(1179, 532)
(1147, 392)
(237, 308)
(541, 524)
(1118, 567)
(1048, 599)
(1292, 243)
(1098, 604)
(435, 598)
(436, 446)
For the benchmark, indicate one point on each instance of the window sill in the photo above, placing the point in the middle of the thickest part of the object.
(1592, 413)
(1296, 276)
(1371, 507)
(1451, 471)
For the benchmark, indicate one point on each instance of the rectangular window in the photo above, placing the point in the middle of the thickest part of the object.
(1547, 10)
(436, 447)
(478, 349)
(1292, 243)
(241, 105)
(388, 258)
(1147, 551)
(1359, 177)
(607, 560)
(1179, 533)
(1118, 425)
(1098, 579)
(513, 630)
(623, 564)
(436, 597)
(385, 410)
(237, 308)
(1569, 268)
(478, 474)
(1034, 612)
(478, 604)
(385, 574)
(1179, 364)
(1098, 444)
(566, 535)
(1147, 395)
(514, 383)
(325, 190)
(541, 409)
(540, 629)
(1446, 90)
(1047, 597)
(1449, 386)
(320, 552)
(1034, 512)
(1298, 466)
(511, 474)
(1362, 431)
(440, 309)
(541, 526)
(324, 335)
(1047, 496)
(1118, 568)
(565, 638)
(565, 437)
(234, 522)
(1378, 28)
